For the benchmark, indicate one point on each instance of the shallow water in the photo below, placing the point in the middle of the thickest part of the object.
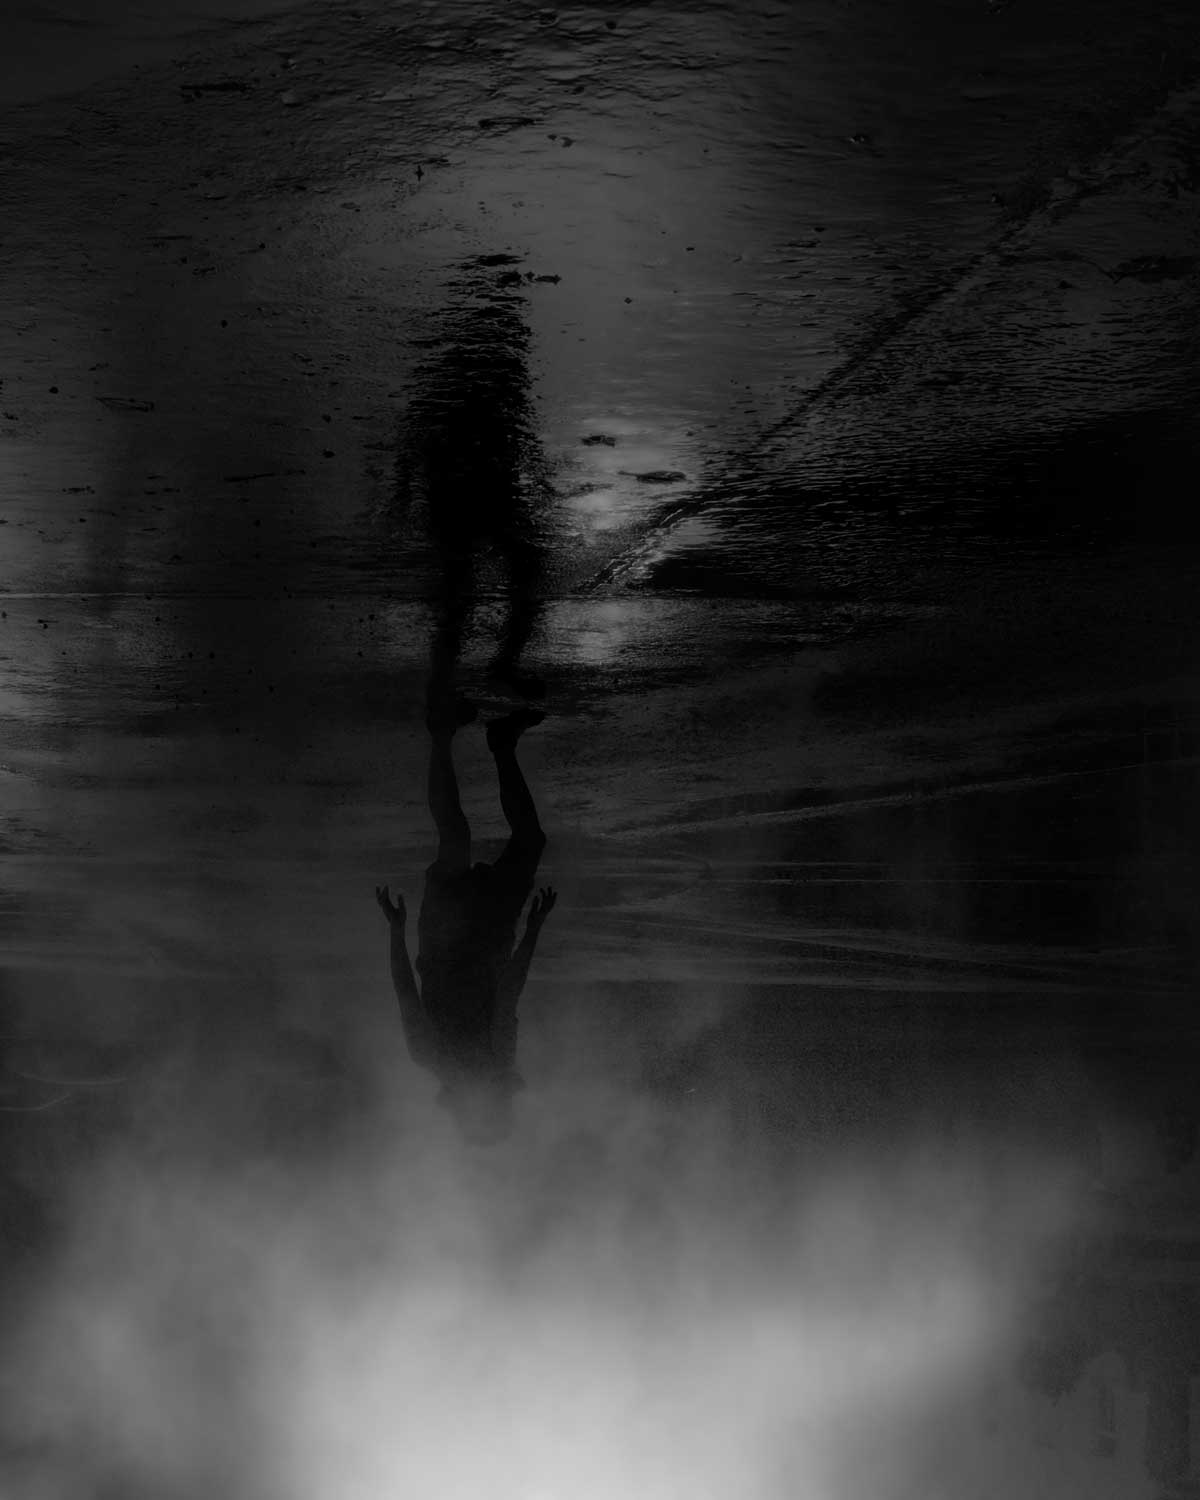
(815, 395)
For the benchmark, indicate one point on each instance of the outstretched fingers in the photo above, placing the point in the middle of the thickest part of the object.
(384, 898)
(543, 903)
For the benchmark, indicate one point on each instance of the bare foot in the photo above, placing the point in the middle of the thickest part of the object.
(449, 713)
(503, 734)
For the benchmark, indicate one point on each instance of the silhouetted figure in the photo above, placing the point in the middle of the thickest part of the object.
(470, 452)
(462, 1023)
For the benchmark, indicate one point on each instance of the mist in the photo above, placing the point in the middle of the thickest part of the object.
(632, 1297)
(789, 401)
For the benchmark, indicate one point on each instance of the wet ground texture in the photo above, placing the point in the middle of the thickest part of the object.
(796, 402)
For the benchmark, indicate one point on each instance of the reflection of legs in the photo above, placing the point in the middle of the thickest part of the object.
(524, 559)
(443, 656)
(454, 832)
(516, 800)
(453, 610)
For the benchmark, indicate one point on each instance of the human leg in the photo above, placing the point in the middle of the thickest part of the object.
(516, 800)
(524, 611)
(454, 832)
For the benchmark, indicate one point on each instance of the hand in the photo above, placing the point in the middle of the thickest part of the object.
(394, 914)
(543, 905)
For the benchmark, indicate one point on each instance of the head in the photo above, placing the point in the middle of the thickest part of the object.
(482, 1108)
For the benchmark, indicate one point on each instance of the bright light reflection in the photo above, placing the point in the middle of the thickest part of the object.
(607, 628)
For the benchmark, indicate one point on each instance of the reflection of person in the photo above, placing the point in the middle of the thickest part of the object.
(462, 1024)
(469, 448)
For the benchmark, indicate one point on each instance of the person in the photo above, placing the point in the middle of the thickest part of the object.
(470, 456)
(461, 1025)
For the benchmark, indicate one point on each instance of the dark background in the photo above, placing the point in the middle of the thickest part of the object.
(846, 355)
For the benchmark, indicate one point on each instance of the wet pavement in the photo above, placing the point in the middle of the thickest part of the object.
(800, 404)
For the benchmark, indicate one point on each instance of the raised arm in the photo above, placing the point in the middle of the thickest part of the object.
(417, 1031)
(512, 980)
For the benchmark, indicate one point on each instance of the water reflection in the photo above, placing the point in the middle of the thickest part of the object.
(471, 473)
(461, 1024)
(848, 1090)
(472, 477)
